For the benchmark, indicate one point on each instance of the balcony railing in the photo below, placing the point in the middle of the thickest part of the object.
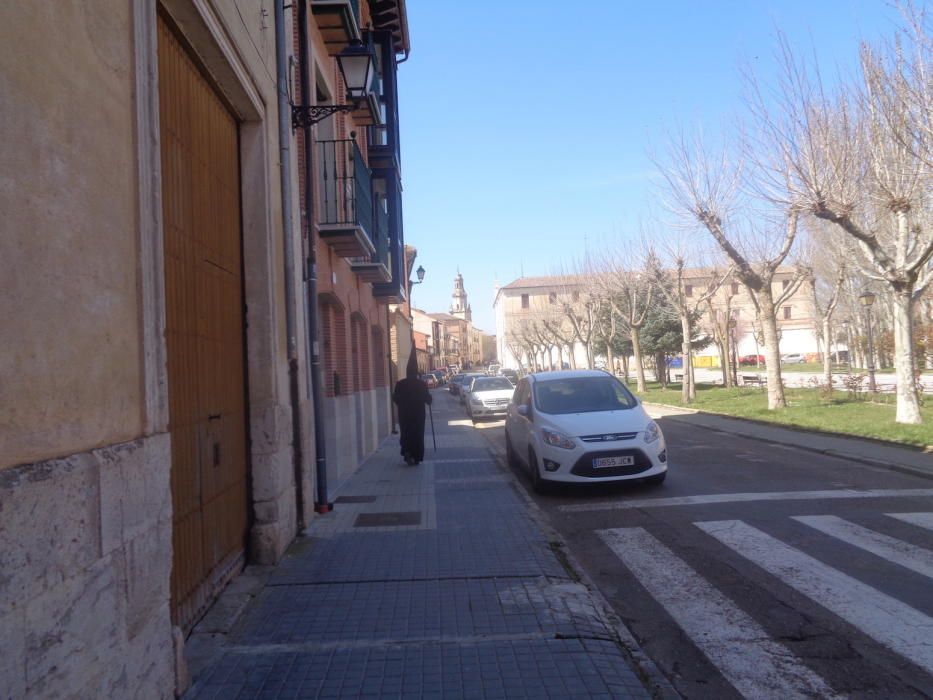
(377, 267)
(345, 204)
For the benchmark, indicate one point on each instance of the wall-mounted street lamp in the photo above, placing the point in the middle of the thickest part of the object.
(357, 64)
(866, 299)
(420, 273)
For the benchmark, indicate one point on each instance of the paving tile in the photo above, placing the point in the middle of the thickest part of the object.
(290, 674)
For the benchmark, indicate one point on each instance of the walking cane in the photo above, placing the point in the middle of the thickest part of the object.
(433, 438)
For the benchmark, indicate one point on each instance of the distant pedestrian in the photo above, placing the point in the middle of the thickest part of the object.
(412, 395)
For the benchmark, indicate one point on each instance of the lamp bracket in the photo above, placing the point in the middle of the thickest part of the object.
(306, 115)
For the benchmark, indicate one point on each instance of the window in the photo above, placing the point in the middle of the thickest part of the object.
(582, 395)
(688, 290)
(735, 314)
(576, 297)
(552, 298)
(786, 313)
(525, 301)
(521, 394)
(735, 287)
(785, 284)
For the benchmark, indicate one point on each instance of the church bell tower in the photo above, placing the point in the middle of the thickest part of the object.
(460, 307)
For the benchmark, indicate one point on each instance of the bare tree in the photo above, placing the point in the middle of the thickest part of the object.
(708, 192)
(722, 324)
(580, 304)
(862, 159)
(826, 277)
(672, 283)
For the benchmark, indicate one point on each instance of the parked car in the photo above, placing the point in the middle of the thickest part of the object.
(510, 374)
(493, 369)
(582, 426)
(440, 375)
(793, 358)
(465, 385)
(430, 380)
(454, 386)
(752, 360)
(489, 397)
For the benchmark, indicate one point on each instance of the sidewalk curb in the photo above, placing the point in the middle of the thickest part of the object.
(878, 464)
(656, 683)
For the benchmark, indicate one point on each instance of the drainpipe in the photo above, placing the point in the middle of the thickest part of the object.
(288, 241)
(321, 504)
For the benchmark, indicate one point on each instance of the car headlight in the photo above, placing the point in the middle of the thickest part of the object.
(557, 439)
(652, 432)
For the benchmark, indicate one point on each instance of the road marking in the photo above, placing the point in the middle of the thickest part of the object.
(744, 498)
(894, 550)
(924, 520)
(894, 624)
(757, 666)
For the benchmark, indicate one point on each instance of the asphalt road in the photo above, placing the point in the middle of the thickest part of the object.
(760, 571)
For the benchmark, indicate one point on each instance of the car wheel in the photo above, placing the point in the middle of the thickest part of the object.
(510, 455)
(657, 479)
(537, 483)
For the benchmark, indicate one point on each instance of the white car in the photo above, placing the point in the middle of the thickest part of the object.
(489, 397)
(582, 427)
(794, 358)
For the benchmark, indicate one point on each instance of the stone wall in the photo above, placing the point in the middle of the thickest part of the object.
(69, 328)
(85, 556)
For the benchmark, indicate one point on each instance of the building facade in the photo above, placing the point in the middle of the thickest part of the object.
(522, 306)
(157, 403)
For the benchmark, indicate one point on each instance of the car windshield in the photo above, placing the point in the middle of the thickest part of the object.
(582, 395)
(492, 384)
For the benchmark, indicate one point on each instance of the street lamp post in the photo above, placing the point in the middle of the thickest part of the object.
(866, 299)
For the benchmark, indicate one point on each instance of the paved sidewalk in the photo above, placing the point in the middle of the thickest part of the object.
(875, 453)
(431, 581)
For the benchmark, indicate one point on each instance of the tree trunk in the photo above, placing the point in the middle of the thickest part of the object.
(660, 369)
(625, 368)
(571, 350)
(685, 393)
(827, 354)
(610, 359)
(639, 362)
(722, 362)
(776, 397)
(908, 405)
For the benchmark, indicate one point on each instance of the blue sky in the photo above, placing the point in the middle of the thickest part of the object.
(526, 123)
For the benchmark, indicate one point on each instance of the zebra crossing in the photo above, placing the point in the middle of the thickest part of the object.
(745, 654)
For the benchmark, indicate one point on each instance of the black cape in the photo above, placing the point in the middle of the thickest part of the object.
(411, 395)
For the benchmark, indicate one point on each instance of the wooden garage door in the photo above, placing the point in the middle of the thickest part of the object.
(203, 330)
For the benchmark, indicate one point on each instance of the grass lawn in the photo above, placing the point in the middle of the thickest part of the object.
(806, 409)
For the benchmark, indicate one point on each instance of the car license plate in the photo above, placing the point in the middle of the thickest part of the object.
(603, 462)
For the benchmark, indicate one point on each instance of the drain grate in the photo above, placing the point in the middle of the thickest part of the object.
(356, 499)
(387, 519)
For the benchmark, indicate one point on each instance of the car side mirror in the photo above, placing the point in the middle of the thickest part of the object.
(523, 410)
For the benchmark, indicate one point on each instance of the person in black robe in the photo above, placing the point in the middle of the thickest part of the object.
(411, 395)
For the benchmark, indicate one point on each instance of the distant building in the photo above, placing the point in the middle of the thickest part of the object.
(458, 341)
(522, 305)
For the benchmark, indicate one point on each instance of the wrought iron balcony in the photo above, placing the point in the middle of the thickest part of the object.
(338, 21)
(376, 267)
(345, 201)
